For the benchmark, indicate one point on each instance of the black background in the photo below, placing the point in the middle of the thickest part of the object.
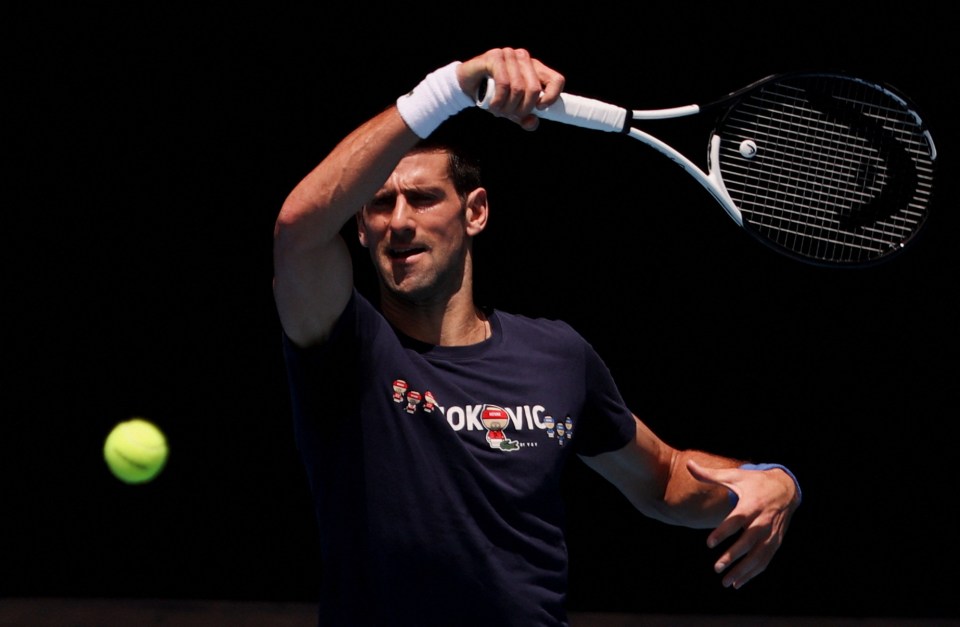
(149, 150)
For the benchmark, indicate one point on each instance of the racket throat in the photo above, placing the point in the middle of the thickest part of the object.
(714, 183)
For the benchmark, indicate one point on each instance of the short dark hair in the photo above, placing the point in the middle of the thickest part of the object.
(464, 164)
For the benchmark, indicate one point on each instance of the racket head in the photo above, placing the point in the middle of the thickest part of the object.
(826, 167)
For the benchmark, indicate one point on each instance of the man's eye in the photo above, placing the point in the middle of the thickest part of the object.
(421, 201)
(380, 204)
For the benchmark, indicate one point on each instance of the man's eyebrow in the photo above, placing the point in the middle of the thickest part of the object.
(381, 194)
(416, 188)
(424, 190)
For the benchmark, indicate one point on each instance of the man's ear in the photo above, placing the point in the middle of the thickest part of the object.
(477, 211)
(361, 229)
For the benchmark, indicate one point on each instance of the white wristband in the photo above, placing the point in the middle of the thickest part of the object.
(436, 98)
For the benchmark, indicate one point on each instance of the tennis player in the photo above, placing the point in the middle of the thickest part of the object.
(433, 432)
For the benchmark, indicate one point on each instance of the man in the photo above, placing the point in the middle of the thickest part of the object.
(433, 432)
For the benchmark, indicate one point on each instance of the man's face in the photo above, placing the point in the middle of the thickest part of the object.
(417, 229)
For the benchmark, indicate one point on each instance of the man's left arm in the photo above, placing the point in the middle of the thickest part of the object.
(701, 490)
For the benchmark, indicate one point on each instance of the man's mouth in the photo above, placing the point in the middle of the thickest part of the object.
(400, 254)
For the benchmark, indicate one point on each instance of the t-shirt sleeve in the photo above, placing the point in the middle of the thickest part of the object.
(319, 376)
(608, 423)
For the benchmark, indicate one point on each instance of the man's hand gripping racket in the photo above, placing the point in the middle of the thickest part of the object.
(826, 168)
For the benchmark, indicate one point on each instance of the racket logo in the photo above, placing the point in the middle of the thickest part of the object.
(827, 168)
(886, 176)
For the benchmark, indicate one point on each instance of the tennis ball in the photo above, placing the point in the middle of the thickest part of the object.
(136, 451)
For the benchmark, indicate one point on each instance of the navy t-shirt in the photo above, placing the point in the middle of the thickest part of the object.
(435, 470)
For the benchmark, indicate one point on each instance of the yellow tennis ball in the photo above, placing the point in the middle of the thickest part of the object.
(136, 450)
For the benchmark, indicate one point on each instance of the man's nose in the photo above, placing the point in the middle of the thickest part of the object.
(401, 216)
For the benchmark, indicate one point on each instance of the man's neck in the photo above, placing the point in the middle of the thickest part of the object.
(453, 322)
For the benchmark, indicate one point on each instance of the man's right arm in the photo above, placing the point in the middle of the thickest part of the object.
(313, 273)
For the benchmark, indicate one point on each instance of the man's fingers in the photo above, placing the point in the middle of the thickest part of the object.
(726, 529)
(745, 559)
(552, 84)
(519, 84)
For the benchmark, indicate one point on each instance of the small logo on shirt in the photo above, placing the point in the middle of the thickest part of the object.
(495, 420)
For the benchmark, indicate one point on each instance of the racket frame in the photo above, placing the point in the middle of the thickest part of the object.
(595, 114)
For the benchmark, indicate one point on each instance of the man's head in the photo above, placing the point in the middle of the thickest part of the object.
(419, 225)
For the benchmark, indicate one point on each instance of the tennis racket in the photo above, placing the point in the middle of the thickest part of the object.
(824, 167)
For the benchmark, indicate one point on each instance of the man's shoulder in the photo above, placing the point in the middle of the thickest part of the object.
(535, 327)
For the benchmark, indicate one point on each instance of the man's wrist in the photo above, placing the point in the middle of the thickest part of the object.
(436, 98)
(767, 466)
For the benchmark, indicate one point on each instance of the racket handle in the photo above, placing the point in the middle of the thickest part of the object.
(574, 110)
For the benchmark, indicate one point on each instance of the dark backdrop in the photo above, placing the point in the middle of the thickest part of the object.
(149, 150)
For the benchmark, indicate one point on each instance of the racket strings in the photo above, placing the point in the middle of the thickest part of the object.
(842, 171)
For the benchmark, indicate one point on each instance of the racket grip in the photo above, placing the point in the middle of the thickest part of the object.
(574, 110)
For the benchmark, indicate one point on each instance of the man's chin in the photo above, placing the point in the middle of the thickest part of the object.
(407, 290)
